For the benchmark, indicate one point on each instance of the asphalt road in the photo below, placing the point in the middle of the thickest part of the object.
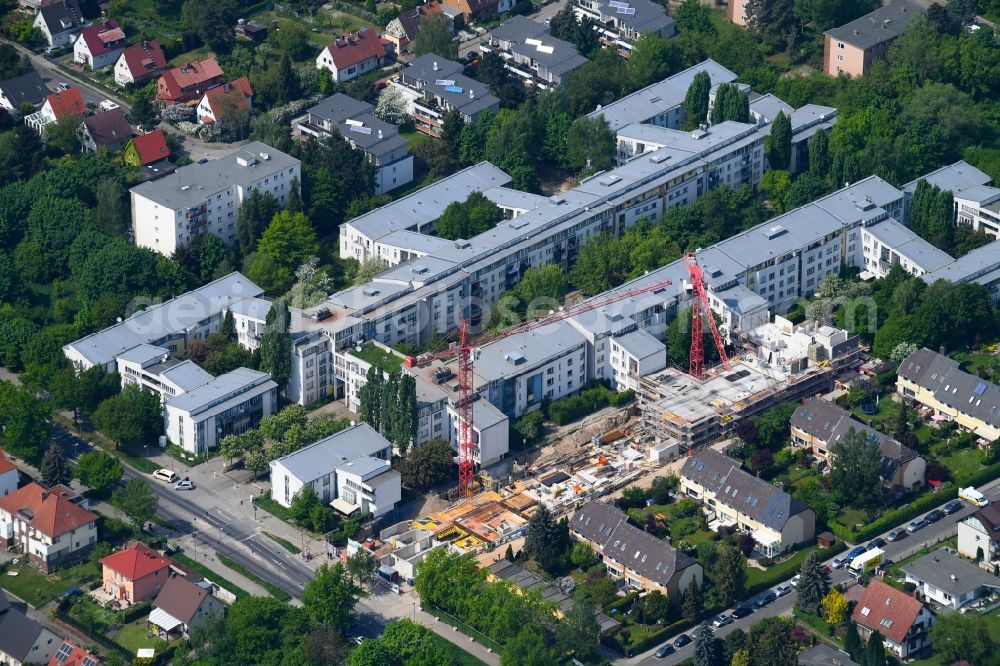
(53, 76)
(896, 551)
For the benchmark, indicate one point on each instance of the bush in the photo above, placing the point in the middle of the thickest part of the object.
(596, 396)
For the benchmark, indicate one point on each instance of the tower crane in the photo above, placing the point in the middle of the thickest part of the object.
(699, 309)
(464, 351)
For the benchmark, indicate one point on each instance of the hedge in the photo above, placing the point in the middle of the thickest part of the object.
(596, 396)
(784, 570)
(922, 504)
(661, 635)
(96, 633)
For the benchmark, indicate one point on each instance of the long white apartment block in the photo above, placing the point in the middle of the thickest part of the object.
(205, 197)
(154, 369)
(172, 324)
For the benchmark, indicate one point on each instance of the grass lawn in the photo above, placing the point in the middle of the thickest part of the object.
(850, 517)
(459, 657)
(782, 570)
(963, 463)
(201, 569)
(38, 588)
(274, 590)
(92, 615)
(273, 508)
(284, 543)
(378, 357)
(415, 138)
(135, 636)
(976, 361)
(199, 53)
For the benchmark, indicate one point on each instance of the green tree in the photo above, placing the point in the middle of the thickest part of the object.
(771, 642)
(652, 59)
(427, 465)
(212, 21)
(54, 469)
(404, 431)
(276, 344)
(370, 397)
(371, 653)
(777, 186)
(136, 500)
(852, 641)
(414, 644)
(958, 637)
(564, 24)
(778, 145)
(707, 648)
(730, 574)
(112, 212)
(330, 597)
(325, 645)
(82, 392)
(696, 99)
(288, 241)
(546, 539)
(875, 651)
(362, 566)
(389, 398)
(855, 474)
(63, 135)
(814, 584)
(527, 648)
(590, 145)
(467, 218)
(256, 212)
(302, 504)
(98, 470)
(655, 607)
(819, 154)
(693, 604)
(581, 555)
(133, 416)
(578, 632)
(435, 37)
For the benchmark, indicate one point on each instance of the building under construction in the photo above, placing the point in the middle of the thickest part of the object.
(781, 362)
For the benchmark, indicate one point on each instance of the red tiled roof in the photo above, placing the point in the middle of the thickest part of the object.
(885, 609)
(67, 102)
(145, 58)
(151, 147)
(179, 79)
(5, 465)
(239, 91)
(49, 511)
(75, 656)
(102, 37)
(136, 561)
(352, 49)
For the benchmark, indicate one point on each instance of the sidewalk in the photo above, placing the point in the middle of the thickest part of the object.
(205, 555)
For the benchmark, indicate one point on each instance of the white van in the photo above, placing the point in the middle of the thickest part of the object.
(973, 496)
(166, 475)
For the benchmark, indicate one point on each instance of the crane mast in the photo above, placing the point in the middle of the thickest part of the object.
(699, 309)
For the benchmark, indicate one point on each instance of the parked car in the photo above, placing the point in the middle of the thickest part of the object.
(916, 525)
(840, 561)
(166, 475)
(664, 650)
(358, 640)
(934, 516)
(781, 589)
(972, 496)
(764, 598)
(876, 543)
(854, 552)
(742, 611)
(682, 640)
(184, 484)
(722, 619)
(794, 582)
(108, 105)
(63, 86)
(951, 507)
(886, 563)
(897, 534)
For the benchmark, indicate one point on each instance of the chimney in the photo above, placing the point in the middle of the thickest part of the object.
(472, 94)
(435, 65)
(380, 134)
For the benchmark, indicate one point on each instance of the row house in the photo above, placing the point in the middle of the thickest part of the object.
(622, 22)
(99, 45)
(432, 86)
(188, 82)
(531, 54)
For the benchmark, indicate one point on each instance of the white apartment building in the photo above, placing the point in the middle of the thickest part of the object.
(979, 208)
(230, 404)
(154, 369)
(490, 433)
(172, 324)
(635, 355)
(52, 527)
(889, 243)
(349, 470)
(205, 197)
(955, 178)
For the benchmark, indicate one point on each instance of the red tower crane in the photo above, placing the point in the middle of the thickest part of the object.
(699, 309)
(466, 435)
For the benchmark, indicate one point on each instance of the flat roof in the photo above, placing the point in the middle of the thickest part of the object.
(769, 106)
(949, 573)
(907, 243)
(499, 359)
(969, 267)
(254, 308)
(319, 458)
(144, 353)
(981, 194)
(189, 185)
(338, 107)
(428, 203)
(160, 320)
(659, 97)
(640, 344)
(187, 375)
(954, 178)
(507, 197)
(219, 390)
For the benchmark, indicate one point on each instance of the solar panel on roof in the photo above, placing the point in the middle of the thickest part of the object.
(980, 388)
(444, 82)
(64, 651)
(454, 89)
(361, 130)
(89, 661)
